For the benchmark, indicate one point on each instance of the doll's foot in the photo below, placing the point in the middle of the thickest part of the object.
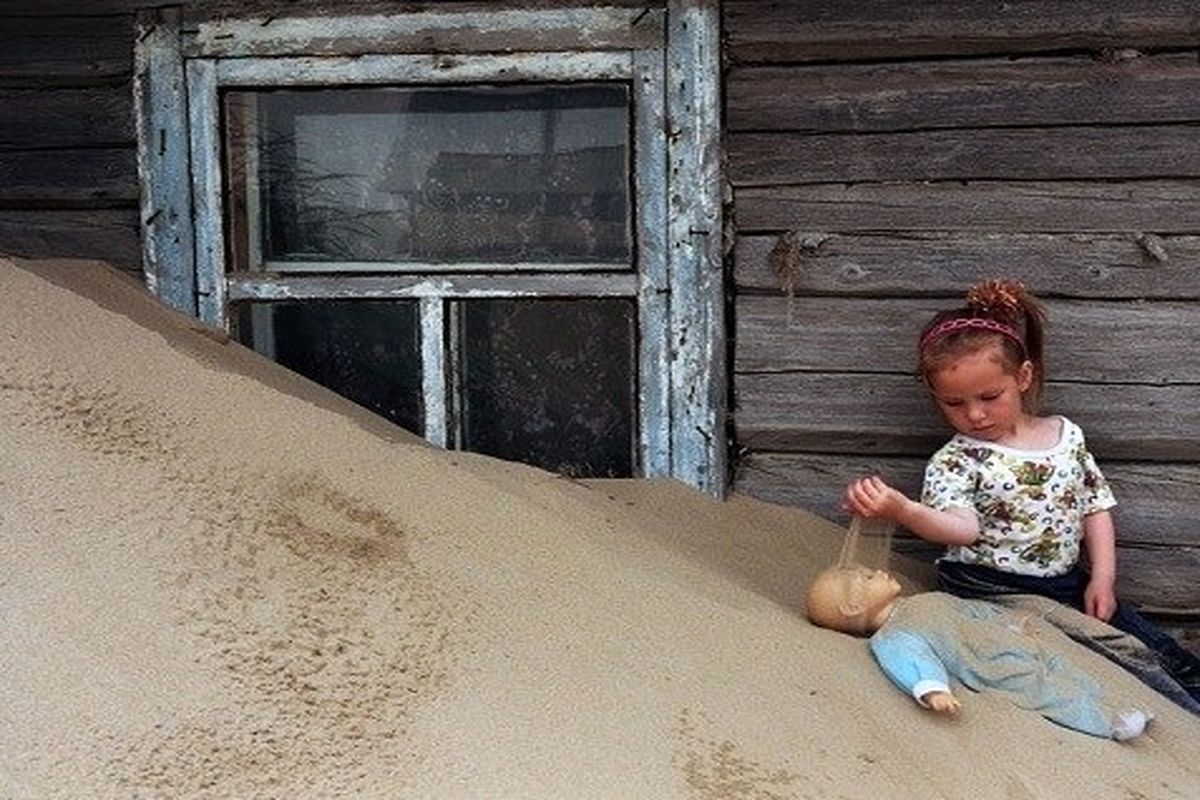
(1131, 724)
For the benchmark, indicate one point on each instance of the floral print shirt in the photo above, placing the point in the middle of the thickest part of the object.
(1030, 504)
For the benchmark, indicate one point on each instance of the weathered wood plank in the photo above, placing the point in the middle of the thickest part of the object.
(69, 177)
(695, 213)
(108, 235)
(208, 237)
(826, 334)
(1068, 153)
(101, 115)
(1101, 266)
(163, 161)
(426, 69)
(808, 30)
(45, 50)
(650, 177)
(892, 414)
(970, 94)
(1160, 580)
(200, 10)
(33, 8)
(448, 30)
(1156, 519)
(1163, 206)
(273, 287)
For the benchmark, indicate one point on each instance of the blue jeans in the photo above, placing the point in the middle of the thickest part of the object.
(1155, 658)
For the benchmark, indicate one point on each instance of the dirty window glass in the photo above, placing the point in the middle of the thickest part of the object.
(365, 350)
(494, 174)
(530, 392)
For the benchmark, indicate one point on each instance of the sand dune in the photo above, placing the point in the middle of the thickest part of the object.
(220, 580)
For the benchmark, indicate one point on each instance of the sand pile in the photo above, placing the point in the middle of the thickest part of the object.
(219, 580)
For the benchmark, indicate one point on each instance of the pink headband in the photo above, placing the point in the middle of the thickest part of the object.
(947, 327)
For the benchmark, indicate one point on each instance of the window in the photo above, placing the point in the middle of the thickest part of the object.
(490, 246)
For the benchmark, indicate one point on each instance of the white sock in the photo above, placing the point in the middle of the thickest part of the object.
(1131, 724)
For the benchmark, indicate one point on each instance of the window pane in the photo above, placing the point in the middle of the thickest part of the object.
(550, 383)
(505, 174)
(367, 351)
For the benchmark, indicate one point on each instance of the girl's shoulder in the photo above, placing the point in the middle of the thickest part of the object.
(1071, 434)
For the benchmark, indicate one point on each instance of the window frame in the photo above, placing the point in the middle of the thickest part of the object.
(669, 57)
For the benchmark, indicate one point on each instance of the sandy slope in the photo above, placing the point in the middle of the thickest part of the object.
(220, 581)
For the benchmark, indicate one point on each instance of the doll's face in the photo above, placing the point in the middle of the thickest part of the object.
(870, 589)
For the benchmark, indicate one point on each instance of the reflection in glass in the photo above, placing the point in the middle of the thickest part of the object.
(550, 383)
(365, 350)
(498, 174)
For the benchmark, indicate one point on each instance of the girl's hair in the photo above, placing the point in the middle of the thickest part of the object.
(998, 313)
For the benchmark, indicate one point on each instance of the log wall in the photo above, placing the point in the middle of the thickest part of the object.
(883, 159)
(68, 177)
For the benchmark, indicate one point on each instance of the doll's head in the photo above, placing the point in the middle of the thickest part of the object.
(852, 599)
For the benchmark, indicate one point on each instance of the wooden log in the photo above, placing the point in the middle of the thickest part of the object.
(964, 94)
(251, 32)
(1100, 266)
(199, 10)
(865, 414)
(1162, 206)
(1132, 342)
(86, 117)
(765, 31)
(28, 8)
(1149, 520)
(1026, 154)
(65, 178)
(105, 234)
(48, 50)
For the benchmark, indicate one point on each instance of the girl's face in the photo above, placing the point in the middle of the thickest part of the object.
(979, 396)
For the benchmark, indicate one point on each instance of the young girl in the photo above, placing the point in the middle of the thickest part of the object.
(1015, 496)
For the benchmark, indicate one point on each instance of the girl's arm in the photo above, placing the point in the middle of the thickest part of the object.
(872, 497)
(1100, 539)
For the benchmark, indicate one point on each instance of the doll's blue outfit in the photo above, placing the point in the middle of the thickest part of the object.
(933, 636)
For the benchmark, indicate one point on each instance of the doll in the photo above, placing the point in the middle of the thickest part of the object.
(922, 640)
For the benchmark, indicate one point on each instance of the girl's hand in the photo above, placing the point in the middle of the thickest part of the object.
(1099, 599)
(872, 497)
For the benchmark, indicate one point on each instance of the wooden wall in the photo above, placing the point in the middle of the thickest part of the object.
(68, 176)
(884, 156)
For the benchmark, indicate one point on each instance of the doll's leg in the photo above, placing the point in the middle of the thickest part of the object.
(1066, 694)
(1118, 646)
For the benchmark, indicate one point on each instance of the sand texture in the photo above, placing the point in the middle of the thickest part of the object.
(219, 580)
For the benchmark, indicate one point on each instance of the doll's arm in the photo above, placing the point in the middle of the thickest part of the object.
(911, 664)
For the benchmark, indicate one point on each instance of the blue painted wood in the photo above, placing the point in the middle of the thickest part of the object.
(166, 206)
(501, 30)
(257, 286)
(650, 181)
(204, 121)
(433, 369)
(424, 69)
(698, 371)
